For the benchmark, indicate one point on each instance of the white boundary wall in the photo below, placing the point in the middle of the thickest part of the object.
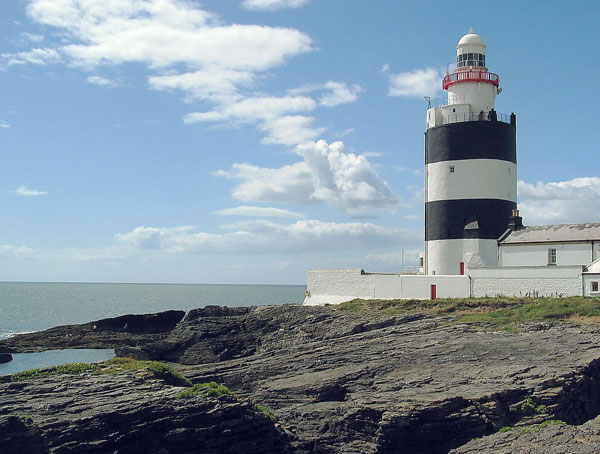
(526, 280)
(337, 286)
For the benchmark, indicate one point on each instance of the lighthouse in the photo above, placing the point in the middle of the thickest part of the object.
(470, 167)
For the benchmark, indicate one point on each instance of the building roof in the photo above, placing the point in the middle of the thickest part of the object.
(554, 233)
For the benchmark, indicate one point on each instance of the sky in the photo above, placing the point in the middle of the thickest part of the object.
(247, 141)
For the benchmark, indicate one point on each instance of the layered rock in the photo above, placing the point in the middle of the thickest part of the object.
(123, 414)
(552, 438)
(5, 357)
(356, 383)
(114, 332)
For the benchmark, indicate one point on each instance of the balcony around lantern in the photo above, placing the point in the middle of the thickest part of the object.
(470, 76)
(439, 116)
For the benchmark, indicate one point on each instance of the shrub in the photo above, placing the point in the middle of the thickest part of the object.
(265, 411)
(211, 389)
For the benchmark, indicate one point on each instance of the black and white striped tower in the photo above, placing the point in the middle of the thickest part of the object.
(471, 167)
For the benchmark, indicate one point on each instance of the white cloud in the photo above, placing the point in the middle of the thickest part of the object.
(265, 212)
(562, 202)
(288, 184)
(272, 5)
(215, 84)
(24, 191)
(256, 108)
(38, 56)
(372, 154)
(163, 33)
(33, 38)
(333, 93)
(327, 175)
(340, 94)
(265, 237)
(416, 83)
(416, 172)
(4, 124)
(271, 114)
(290, 130)
(7, 252)
(104, 82)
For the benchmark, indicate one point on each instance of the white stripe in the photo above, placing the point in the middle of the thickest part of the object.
(444, 256)
(472, 179)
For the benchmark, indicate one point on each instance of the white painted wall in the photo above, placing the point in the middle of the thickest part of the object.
(419, 287)
(456, 113)
(444, 256)
(337, 286)
(433, 117)
(480, 95)
(588, 278)
(537, 254)
(472, 179)
(521, 280)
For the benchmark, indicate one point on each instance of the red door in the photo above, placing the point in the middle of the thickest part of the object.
(462, 268)
(433, 291)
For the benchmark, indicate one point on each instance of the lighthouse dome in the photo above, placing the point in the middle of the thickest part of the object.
(470, 47)
(471, 39)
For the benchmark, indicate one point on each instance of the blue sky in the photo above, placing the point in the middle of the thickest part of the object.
(246, 141)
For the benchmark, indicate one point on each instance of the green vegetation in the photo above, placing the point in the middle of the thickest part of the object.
(69, 369)
(27, 420)
(158, 370)
(533, 427)
(265, 411)
(211, 389)
(528, 407)
(114, 366)
(498, 311)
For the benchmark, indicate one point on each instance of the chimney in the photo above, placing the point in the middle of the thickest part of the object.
(515, 222)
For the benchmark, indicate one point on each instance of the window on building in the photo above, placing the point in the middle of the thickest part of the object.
(421, 263)
(451, 169)
(551, 256)
(594, 286)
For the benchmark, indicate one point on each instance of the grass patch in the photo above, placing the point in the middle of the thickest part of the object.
(114, 366)
(63, 369)
(533, 427)
(265, 411)
(212, 389)
(157, 369)
(498, 311)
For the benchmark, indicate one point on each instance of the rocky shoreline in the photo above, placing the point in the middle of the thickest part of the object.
(337, 382)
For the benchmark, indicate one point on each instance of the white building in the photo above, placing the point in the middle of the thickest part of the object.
(475, 242)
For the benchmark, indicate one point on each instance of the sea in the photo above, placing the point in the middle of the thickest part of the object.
(26, 307)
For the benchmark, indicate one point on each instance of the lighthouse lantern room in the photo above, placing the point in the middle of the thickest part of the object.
(471, 167)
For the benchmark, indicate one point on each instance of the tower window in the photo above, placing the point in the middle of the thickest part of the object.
(551, 256)
(451, 169)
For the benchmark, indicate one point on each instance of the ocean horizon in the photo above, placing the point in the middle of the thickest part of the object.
(35, 306)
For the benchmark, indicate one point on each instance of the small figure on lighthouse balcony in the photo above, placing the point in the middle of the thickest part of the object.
(470, 167)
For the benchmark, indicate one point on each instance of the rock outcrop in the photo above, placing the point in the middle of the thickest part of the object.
(552, 438)
(123, 414)
(5, 358)
(106, 333)
(355, 383)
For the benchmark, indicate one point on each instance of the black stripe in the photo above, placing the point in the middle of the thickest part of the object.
(471, 140)
(447, 219)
